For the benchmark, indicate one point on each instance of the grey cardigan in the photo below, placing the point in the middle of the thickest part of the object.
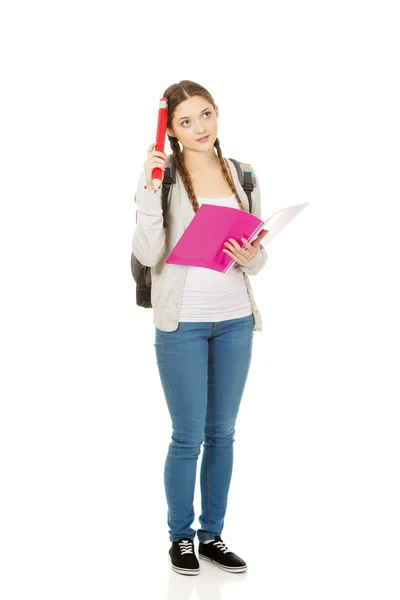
(152, 244)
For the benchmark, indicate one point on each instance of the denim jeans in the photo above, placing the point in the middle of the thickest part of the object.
(203, 368)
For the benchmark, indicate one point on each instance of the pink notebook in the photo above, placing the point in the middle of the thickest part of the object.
(203, 240)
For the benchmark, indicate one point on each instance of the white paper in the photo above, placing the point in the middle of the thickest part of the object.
(277, 221)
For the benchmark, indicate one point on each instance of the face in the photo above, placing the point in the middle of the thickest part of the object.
(195, 118)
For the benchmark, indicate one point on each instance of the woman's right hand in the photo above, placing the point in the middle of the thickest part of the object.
(154, 159)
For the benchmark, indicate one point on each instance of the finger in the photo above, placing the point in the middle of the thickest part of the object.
(151, 147)
(231, 248)
(239, 249)
(237, 252)
(235, 244)
(249, 248)
(244, 253)
(229, 254)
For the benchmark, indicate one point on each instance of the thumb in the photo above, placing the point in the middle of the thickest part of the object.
(259, 238)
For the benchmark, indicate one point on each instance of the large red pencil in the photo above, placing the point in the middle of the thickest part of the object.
(156, 175)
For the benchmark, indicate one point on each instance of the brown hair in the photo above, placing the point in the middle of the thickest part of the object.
(177, 93)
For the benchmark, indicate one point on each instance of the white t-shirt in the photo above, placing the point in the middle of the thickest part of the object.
(211, 296)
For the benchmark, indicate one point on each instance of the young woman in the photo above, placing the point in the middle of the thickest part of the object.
(204, 323)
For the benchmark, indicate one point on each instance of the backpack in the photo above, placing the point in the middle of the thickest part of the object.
(142, 273)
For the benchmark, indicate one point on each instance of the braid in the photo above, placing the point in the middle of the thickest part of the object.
(227, 173)
(184, 173)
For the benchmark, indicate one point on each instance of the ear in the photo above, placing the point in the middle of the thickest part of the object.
(216, 110)
(170, 133)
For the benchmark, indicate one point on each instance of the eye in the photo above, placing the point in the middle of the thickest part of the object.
(208, 112)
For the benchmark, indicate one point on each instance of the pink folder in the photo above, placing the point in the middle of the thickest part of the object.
(203, 240)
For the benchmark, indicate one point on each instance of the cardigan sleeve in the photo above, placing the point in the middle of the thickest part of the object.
(148, 243)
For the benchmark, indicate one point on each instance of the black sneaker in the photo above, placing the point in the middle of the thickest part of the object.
(183, 558)
(218, 553)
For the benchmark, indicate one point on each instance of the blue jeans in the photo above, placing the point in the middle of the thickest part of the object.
(203, 369)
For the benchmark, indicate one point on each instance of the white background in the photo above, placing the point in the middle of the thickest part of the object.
(308, 94)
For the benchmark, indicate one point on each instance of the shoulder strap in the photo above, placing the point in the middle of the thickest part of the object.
(168, 179)
(247, 178)
(245, 173)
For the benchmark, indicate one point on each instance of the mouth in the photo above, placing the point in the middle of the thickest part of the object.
(203, 139)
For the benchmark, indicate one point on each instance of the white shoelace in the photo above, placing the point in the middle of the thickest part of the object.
(222, 546)
(186, 547)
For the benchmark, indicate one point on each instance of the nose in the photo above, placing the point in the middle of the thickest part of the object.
(200, 130)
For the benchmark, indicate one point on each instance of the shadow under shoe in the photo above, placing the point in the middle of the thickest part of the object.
(217, 552)
(183, 558)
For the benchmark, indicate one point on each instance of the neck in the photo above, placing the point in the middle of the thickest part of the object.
(200, 162)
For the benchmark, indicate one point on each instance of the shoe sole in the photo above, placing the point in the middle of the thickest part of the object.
(223, 567)
(183, 571)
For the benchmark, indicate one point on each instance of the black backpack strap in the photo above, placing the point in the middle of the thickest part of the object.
(168, 179)
(244, 172)
(246, 181)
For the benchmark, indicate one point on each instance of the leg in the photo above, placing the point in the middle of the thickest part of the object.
(182, 358)
(229, 362)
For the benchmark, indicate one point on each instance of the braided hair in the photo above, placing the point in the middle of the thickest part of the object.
(177, 93)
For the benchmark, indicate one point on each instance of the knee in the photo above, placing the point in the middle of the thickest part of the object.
(186, 441)
(220, 437)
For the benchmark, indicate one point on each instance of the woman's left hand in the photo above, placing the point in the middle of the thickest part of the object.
(243, 255)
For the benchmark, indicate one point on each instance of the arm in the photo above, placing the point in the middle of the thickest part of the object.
(148, 243)
(255, 264)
